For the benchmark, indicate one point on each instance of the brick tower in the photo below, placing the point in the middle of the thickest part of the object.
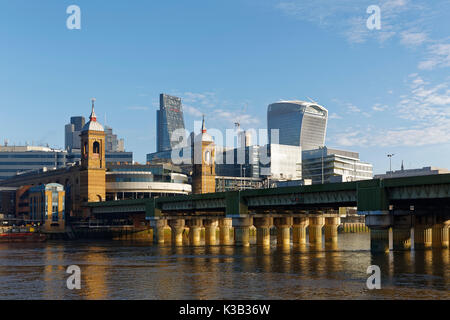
(203, 156)
(93, 166)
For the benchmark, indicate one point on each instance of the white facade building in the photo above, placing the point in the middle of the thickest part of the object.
(326, 165)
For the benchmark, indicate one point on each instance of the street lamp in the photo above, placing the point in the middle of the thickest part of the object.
(390, 162)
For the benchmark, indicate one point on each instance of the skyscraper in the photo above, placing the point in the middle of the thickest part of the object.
(169, 118)
(299, 123)
(72, 133)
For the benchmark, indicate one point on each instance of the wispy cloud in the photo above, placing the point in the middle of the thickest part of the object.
(413, 39)
(352, 108)
(378, 107)
(438, 55)
(192, 111)
(426, 107)
(334, 116)
(349, 17)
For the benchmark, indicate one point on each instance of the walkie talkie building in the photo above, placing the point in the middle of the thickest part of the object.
(299, 123)
(169, 119)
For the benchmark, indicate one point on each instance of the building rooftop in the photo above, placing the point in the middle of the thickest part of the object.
(28, 149)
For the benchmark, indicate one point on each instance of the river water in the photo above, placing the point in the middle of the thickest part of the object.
(126, 270)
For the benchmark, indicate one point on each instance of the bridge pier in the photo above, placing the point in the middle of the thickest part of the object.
(331, 231)
(401, 238)
(401, 232)
(440, 235)
(210, 231)
(177, 226)
(299, 226)
(379, 226)
(379, 240)
(283, 226)
(263, 230)
(195, 226)
(315, 230)
(158, 226)
(242, 231)
(423, 233)
(423, 237)
(225, 226)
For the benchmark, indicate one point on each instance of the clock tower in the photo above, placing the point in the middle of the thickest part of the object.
(93, 166)
(203, 159)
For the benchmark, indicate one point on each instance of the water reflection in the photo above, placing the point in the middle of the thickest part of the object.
(124, 270)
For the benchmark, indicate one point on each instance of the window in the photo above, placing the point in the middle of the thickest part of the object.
(96, 148)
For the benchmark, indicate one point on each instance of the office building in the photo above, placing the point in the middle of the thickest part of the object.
(325, 165)
(124, 182)
(169, 118)
(47, 206)
(113, 144)
(425, 171)
(72, 133)
(20, 159)
(16, 160)
(238, 162)
(299, 123)
(281, 162)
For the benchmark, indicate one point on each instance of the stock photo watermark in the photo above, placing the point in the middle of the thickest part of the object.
(374, 281)
(74, 281)
(73, 22)
(374, 21)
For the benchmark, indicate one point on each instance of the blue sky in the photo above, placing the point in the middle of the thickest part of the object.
(387, 90)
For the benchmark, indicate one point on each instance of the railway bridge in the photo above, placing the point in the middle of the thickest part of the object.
(414, 211)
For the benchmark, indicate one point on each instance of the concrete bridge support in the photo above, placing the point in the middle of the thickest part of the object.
(158, 227)
(299, 226)
(379, 226)
(401, 232)
(379, 240)
(225, 226)
(241, 231)
(263, 230)
(210, 231)
(283, 226)
(177, 226)
(401, 238)
(195, 226)
(331, 231)
(440, 235)
(423, 237)
(315, 229)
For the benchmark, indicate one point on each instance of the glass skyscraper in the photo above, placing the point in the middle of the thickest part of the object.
(169, 118)
(299, 123)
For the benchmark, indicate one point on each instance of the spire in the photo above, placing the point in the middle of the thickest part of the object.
(93, 117)
(403, 168)
(203, 125)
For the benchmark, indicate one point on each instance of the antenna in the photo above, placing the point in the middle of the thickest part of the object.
(313, 101)
(237, 124)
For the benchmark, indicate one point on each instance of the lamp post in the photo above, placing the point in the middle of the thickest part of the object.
(390, 162)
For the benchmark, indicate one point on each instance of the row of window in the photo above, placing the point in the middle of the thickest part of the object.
(31, 163)
(30, 156)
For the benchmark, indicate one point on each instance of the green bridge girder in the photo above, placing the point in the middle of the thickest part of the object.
(369, 196)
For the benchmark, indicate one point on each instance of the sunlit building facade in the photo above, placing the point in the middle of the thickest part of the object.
(169, 119)
(299, 123)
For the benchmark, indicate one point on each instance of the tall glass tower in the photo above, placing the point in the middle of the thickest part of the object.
(299, 123)
(169, 118)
